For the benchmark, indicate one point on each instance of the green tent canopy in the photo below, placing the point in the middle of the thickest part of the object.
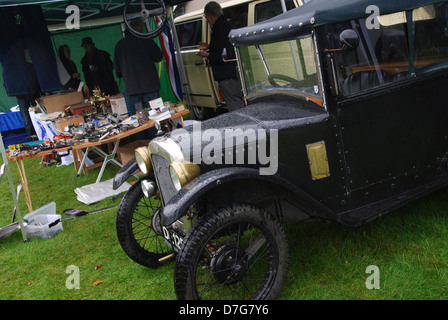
(104, 22)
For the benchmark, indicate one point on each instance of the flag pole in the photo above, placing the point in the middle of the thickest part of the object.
(178, 56)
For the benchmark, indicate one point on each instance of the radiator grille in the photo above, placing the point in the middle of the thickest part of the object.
(162, 172)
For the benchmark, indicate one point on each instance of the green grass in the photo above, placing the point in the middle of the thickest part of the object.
(327, 260)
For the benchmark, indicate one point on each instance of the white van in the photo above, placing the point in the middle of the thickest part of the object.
(192, 28)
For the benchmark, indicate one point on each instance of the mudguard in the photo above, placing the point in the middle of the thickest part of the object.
(178, 205)
(125, 172)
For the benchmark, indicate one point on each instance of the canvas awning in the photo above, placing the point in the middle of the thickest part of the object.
(55, 10)
(99, 19)
(300, 21)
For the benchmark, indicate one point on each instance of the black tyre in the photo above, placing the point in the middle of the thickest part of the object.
(202, 113)
(237, 252)
(135, 221)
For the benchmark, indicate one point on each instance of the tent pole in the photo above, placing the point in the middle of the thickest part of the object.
(11, 185)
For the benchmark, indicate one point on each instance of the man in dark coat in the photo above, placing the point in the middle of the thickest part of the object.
(134, 61)
(97, 68)
(64, 55)
(219, 48)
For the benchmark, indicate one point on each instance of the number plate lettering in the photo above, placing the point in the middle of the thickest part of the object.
(173, 238)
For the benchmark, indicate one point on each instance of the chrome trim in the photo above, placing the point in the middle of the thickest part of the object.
(319, 73)
(240, 71)
(166, 148)
(149, 188)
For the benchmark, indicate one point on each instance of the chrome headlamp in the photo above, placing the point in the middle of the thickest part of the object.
(174, 167)
(143, 158)
(149, 188)
(182, 172)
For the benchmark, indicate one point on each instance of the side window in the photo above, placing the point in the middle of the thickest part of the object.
(381, 57)
(237, 16)
(430, 37)
(189, 33)
(267, 10)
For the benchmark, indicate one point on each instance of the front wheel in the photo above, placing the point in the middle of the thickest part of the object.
(138, 227)
(237, 252)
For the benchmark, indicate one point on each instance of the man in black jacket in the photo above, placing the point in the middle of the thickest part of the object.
(98, 68)
(223, 72)
(134, 61)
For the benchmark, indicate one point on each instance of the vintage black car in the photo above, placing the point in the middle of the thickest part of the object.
(345, 120)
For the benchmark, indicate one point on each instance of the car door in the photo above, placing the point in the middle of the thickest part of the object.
(198, 73)
(391, 107)
(203, 89)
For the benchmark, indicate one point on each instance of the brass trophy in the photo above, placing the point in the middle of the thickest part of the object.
(99, 100)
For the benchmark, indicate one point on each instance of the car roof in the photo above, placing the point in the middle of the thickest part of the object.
(300, 21)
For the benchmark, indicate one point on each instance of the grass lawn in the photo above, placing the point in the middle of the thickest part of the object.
(409, 247)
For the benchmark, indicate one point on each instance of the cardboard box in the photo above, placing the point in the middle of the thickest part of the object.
(156, 104)
(64, 122)
(179, 107)
(79, 108)
(57, 102)
(126, 152)
(118, 104)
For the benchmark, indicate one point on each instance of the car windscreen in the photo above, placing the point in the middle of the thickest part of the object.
(287, 66)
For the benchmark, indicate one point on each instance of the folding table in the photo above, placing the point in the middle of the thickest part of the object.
(87, 146)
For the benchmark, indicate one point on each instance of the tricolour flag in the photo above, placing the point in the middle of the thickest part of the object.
(170, 59)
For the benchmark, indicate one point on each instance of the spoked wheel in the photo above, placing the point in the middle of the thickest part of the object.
(138, 227)
(142, 9)
(237, 252)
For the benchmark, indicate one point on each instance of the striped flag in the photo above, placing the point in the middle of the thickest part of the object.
(170, 59)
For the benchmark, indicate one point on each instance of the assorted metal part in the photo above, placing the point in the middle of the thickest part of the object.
(97, 126)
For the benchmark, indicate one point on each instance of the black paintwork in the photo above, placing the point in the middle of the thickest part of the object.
(385, 146)
(129, 169)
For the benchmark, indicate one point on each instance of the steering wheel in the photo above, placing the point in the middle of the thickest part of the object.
(158, 9)
(281, 77)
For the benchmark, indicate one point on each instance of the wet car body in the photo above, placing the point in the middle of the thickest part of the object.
(243, 185)
(353, 119)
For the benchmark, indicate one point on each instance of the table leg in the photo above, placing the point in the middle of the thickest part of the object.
(75, 159)
(107, 158)
(24, 181)
(83, 160)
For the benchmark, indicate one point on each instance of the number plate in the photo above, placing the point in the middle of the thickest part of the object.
(173, 238)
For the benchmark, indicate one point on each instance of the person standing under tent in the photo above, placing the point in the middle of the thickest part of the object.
(98, 68)
(64, 56)
(223, 71)
(134, 61)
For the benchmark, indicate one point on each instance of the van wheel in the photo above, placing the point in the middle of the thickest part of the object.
(236, 252)
(202, 113)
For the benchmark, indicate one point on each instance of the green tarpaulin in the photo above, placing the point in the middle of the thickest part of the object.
(105, 38)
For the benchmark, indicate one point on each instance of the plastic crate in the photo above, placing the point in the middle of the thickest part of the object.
(43, 222)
